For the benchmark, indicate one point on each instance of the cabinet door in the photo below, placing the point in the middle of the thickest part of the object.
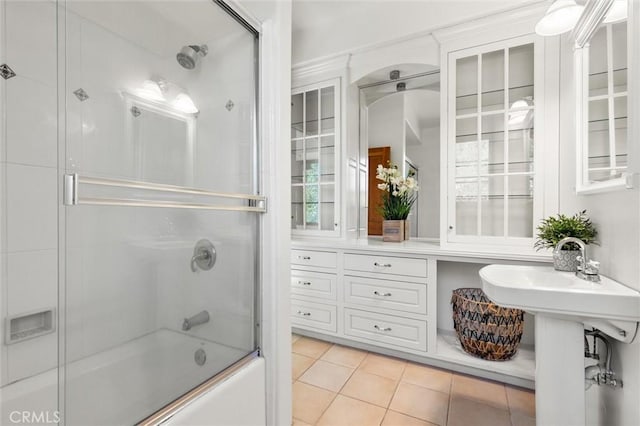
(491, 143)
(315, 142)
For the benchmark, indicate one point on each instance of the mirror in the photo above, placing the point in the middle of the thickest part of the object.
(163, 141)
(601, 108)
(400, 124)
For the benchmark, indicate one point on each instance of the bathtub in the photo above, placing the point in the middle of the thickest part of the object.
(125, 384)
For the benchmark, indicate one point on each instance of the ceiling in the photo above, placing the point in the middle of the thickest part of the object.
(326, 27)
(162, 27)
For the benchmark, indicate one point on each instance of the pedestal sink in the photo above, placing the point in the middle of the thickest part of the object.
(563, 304)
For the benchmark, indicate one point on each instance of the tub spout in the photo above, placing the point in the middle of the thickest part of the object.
(199, 318)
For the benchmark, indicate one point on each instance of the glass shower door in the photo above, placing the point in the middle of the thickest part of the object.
(162, 211)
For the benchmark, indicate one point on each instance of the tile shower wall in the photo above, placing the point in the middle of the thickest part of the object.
(28, 176)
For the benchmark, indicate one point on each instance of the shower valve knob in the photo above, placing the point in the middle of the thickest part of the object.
(204, 256)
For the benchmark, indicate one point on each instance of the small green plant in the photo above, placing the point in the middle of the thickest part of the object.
(552, 229)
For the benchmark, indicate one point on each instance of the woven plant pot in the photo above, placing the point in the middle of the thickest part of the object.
(486, 330)
(565, 260)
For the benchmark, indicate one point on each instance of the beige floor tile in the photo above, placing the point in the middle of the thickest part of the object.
(345, 411)
(309, 402)
(300, 364)
(371, 388)
(383, 366)
(397, 419)
(294, 338)
(343, 355)
(420, 402)
(521, 400)
(297, 422)
(427, 377)
(519, 419)
(327, 375)
(465, 412)
(483, 391)
(310, 347)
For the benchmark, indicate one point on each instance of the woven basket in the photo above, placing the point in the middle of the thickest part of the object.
(486, 330)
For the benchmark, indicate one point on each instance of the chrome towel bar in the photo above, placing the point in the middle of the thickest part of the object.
(72, 196)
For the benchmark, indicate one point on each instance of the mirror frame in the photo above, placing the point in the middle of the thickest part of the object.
(589, 23)
(132, 101)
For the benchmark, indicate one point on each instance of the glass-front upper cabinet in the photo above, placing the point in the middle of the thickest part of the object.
(492, 95)
(601, 76)
(315, 172)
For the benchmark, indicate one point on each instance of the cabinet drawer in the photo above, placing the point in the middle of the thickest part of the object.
(386, 265)
(388, 329)
(313, 315)
(408, 297)
(313, 284)
(322, 259)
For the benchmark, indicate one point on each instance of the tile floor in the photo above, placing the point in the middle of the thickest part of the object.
(335, 385)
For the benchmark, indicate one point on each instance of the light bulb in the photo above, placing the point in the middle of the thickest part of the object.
(561, 17)
(184, 103)
(151, 90)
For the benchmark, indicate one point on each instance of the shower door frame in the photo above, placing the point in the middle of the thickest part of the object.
(68, 196)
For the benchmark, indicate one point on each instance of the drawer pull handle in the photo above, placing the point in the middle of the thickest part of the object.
(382, 265)
(382, 329)
(377, 293)
(304, 314)
(304, 282)
(304, 257)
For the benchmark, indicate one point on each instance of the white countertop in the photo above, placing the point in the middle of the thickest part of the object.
(417, 247)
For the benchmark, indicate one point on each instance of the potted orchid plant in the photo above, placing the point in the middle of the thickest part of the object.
(400, 194)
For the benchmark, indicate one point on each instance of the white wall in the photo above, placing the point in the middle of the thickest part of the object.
(615, 215)
(275, 127)
(386, 127)
(427, 157)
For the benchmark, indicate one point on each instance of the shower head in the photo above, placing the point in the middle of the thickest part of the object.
(189, 55)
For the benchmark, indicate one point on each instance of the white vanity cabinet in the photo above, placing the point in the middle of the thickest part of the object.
(376, 299)
(314, 286)
(385, 300)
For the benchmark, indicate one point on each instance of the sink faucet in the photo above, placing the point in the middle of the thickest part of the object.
(588, 269)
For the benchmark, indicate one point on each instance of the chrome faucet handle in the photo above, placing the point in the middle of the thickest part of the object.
(593, 267)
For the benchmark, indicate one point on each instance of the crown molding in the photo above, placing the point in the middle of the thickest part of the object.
(324, 65)
(523, 17)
